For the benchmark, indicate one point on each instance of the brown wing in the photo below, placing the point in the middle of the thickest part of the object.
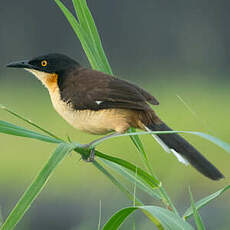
(94, 90)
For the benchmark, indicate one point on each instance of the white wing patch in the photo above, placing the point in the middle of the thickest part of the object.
(167, 149)
(99, 102)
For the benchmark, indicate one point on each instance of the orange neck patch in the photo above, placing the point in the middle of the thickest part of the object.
(51, 81)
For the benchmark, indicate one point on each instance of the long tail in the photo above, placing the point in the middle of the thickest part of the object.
(184, 151)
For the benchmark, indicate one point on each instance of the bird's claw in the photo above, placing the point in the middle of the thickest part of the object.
(91, 156)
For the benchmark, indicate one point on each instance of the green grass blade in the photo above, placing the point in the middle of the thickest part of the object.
(80, 34)
(87, 23)
(214, 140)
(152, 181)
(118, 218)
(197, 218)
(127, 193)
(28, 121)
(99, 218)
(133, 178)
(84, 24)
(11, 129)
(168, 220)
(137, 142)
(1, 217)
(203, 202)
(36, 187)
(116, 182)
(164, 196)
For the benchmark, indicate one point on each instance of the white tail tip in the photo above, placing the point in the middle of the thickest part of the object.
(167, 149)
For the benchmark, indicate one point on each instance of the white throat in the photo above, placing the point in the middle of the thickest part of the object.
(42, 76)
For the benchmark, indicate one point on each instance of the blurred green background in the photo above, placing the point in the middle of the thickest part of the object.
(169, 48)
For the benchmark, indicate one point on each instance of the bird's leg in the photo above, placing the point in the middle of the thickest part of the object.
(92, 148)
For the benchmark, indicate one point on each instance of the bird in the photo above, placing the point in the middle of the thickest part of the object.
(99, 103)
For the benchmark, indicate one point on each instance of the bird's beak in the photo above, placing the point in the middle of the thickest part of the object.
(20, 64)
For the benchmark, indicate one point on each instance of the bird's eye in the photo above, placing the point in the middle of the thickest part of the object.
(44, 63)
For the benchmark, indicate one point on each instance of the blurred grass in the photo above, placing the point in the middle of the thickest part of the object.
(21, 161)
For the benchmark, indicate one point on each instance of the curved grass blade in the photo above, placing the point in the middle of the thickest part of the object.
(88, 38)
(28, 121)
(137, 142)
(99, 218)
(11, 129)
(118, 218)
(36, 187)
(168, 220)
(203, 202)
(127, 193)
(8, 128)
(197, 218)
(133, 178)
(80, 34)
(150, 180)
(116, 182)
(1, 217)
(214, 140)
(87, 23)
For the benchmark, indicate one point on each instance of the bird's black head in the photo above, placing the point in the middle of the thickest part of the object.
(50, 63)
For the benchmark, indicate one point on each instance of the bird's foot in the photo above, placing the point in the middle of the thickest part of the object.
(91, 156)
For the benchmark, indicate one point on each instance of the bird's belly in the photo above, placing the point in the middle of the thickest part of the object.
(95, 122)
(89, 121)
